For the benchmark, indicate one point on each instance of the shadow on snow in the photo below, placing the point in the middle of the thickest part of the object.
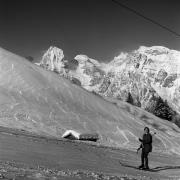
(156, 169)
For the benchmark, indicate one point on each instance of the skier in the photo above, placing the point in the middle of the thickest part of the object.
(146, 145)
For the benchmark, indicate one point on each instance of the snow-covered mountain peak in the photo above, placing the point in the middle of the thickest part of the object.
(154, 50)
(83, 59)
(53, 60)
(54, 53)
(119, 60)
(161, 58)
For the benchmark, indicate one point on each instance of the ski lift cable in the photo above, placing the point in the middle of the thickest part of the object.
(145, 17)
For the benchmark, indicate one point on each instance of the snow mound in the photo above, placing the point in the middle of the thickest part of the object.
(74, 135)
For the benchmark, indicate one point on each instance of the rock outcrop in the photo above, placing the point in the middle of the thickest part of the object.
(53, 60)
(89, 72)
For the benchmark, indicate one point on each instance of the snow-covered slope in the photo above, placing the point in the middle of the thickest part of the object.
(39, 101)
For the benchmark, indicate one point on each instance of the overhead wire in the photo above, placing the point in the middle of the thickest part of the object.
(145, 17)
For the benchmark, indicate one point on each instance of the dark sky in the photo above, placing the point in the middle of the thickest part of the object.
(97, 28)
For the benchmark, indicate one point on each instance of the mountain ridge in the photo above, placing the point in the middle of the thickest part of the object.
(150, 75)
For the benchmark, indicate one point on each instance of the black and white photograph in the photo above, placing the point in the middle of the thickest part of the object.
(89, 90)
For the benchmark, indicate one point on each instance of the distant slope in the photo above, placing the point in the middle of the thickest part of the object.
(40, 101)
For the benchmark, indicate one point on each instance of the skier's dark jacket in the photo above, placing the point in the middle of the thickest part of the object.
(146, 143)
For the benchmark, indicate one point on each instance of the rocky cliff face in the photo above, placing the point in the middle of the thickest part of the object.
(53, 60)
(89, 72)
(147, 74)
(147, 77)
